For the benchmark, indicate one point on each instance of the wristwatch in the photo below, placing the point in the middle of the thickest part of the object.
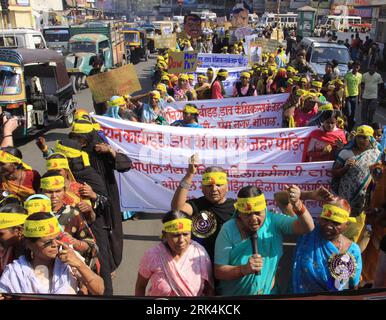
(185, 185)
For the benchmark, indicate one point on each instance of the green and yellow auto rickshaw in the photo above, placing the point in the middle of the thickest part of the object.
(34, 86)
(136, 44)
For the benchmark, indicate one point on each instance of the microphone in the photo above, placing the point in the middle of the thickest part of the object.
(254, 246)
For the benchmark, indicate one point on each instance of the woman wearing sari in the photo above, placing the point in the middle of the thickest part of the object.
(12, 217)
(50, 266)
(178, 266)
(352, 168)
(17, 177)
(241, 271)
(325, 260)
(325, 141)
(59, 162)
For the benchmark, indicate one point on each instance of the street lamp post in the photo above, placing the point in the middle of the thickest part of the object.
(277, 20)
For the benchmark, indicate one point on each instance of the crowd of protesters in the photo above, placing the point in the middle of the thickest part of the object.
(61, 230)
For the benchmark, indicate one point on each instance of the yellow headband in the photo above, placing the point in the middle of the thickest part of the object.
(155, 94)
(178, 225)
(161, 87)
(6, 157)
(165, 78)
(249, 205)
(97, 126)
(290, 81)
(333, 213)
(304, 80)
(62, 163)
(202, 76)
(365, 131)
(325, 107)
(190, 109)
(82, 128)
(211, 178)
(209, 71)
(223, 74)
(291, 69)
(317, 84)
(296, 78)
(183, 76)
(41, 228)
(245, 74)
(72, 153)
(9, 220)
(55, 164)
(117, 102)
(37, 205)
(52, 183)
(191, 77)
(79, 115)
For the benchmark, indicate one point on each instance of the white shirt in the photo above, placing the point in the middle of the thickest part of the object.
(371, 85)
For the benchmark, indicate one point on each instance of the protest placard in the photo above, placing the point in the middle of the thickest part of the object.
(165, 41)
(234, 113)
(118, 81)
(182, 62)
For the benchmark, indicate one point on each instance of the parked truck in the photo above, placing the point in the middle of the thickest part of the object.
(90, 40)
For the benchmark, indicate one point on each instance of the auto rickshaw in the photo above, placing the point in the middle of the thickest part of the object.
(150, 31)
(136, 44)
(35, 87)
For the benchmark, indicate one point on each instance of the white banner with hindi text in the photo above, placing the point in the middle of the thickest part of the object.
(267, 158)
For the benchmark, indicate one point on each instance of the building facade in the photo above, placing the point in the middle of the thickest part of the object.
(18, 15)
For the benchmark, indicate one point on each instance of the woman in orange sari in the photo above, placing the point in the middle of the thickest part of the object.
(17, 177)
(325, 141)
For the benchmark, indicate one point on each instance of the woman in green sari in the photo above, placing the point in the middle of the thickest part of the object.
(239, 270)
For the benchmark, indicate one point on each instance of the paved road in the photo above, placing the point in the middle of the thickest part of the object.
(144, 233)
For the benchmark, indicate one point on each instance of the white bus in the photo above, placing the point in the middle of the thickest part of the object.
(285, 19)
(206, 15)
(340, 23)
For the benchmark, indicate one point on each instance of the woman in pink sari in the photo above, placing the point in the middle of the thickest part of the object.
(178, 266)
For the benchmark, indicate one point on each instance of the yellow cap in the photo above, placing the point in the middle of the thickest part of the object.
(365, 131)
(191, 76)
(165, 77)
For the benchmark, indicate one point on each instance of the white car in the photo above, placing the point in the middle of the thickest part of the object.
(319, 52)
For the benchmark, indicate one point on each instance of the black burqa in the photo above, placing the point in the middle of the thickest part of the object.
(88, 175)
(105, 164)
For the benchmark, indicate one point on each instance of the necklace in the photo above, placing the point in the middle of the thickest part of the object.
(342, 266)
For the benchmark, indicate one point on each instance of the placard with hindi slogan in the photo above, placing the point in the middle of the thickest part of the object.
(182, 62)
(118, 81)
(165, 41)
